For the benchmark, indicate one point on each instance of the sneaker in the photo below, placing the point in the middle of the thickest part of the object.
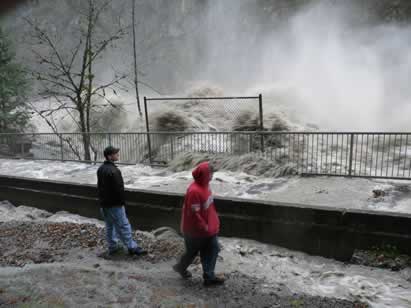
(184, 274)
(214, 282)
(138, 251)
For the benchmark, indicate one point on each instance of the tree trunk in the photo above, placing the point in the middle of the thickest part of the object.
(133, 11)
(85, 137)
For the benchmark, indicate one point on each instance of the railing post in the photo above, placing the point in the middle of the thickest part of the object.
(148, 131)
(22, 147)
(250, 142)
(172, 147)
(351, 154)
(260, 104)
(61, 147)
(109, 139)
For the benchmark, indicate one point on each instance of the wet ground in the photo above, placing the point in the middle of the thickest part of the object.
(55, 259)
(59, 264)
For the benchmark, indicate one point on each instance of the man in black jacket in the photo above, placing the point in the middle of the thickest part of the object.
(110, 187)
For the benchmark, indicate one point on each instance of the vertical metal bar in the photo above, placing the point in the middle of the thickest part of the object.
(366, 156)
(326, 149)
(61, 147)
(230, 149)
(388, 154)
(128, 144)
(321, 152)
(318, 161)
(260, 104)
(393, 155)
(293, 148)
(405, 155)
(351, 154)
(148, 131)
(134, 152)
(382, 155)
(347, 151)
(332, 155)
(130, 148)
(399, 155)
(172, 147)
(22, 146)
(110, 141)
(336, 156)
(124, 146)
(361, 149)
(409, 168)
(378, 152)
(271, 153)
(250, 143)
(301, 151)
(297, 151)
(289, 148)
(308, 150)
(342, 155)
(312, 152)
(355, 151)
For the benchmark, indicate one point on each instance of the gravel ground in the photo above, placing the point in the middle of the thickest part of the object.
(47, 264)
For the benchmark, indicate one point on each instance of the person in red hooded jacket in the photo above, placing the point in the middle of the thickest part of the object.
(200, 226)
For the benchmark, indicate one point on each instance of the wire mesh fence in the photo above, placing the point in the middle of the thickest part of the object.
(222, 113)
(378, 155)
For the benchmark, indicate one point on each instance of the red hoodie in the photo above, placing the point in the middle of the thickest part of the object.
(199, 217)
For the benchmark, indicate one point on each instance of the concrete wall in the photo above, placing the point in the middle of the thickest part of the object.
(329, 232)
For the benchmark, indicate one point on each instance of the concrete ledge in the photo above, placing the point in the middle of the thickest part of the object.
(329, 232)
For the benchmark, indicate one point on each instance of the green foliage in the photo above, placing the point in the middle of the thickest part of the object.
(296, 303)
(14, 115)
(389, 251)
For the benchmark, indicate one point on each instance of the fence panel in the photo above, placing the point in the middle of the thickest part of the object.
(377, 155)
(222, 113)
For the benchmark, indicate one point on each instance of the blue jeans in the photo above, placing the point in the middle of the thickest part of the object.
(208, 248)
(117, 226)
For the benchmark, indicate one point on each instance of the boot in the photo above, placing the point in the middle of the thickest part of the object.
(184, 274)
(214, 281)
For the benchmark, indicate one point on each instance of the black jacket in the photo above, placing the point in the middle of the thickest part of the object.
(110, 185)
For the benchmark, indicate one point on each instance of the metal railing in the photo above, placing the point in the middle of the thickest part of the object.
(359, 154)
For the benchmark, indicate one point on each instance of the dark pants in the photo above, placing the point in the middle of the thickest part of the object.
(208, 248)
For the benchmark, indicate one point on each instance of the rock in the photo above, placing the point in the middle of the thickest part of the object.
(7, 205)
(378, 193)
(166, 233)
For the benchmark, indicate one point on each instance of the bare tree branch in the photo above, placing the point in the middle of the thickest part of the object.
(68, 76)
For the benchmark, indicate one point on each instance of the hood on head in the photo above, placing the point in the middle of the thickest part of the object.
(202, 174)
